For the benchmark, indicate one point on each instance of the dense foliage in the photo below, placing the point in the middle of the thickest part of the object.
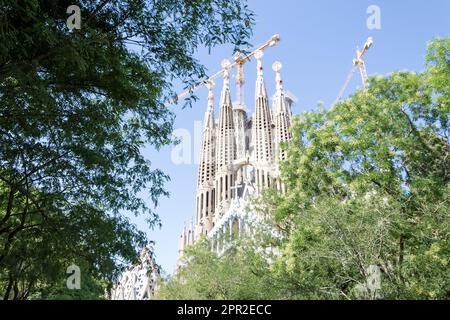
(76, 108)
(235, 275)
(366, 212)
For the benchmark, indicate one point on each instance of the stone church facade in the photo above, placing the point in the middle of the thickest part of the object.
(240, 155)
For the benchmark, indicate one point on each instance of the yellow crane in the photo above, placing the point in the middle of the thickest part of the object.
(239, 60)
(358, 62)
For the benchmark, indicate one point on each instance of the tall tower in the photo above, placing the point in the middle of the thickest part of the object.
(281, 114)
(240, 117)
(206, 171)
(262, 130)
(182, 242)
(226, 148)
(235, 164)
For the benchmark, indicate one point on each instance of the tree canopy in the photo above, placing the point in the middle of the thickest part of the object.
(76, 108)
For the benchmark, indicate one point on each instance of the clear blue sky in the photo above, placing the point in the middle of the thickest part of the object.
(318, 44)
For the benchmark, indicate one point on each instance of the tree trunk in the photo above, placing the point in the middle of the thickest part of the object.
(401, 256)
(8, 288)
(9, 208)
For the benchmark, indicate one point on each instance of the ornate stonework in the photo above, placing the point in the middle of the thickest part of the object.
(139, 282)
(239, 156)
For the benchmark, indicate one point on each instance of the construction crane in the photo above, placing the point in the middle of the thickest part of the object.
(357, 63)
(239, 60)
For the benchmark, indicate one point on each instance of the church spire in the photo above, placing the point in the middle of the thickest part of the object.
(240, 118)
(182, 241)
(262, 126)
(225, 136)
(207, 159)
(209, 115)
(281, 114)
(278, 81)
(225, 97)
(206, 170)
(191, 238)
(226, 146)
(260, 84)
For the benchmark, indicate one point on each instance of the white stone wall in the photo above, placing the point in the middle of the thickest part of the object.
(139, 282)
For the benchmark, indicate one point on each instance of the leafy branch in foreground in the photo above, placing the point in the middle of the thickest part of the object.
(76, 109)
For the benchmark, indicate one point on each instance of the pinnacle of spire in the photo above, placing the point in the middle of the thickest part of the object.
(260, 85)
(226, 73)
(209, 115)
(278, 102)
(258, 55)
(279, 82)
(210, 85)
(225, 98)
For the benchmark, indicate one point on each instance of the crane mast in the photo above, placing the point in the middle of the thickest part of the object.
(359, 63)
(239, 60)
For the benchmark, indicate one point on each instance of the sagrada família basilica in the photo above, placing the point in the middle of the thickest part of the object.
(239, 156)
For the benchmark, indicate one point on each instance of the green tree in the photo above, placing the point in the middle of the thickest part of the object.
(76, 108)
(368, 185)
(241, 273)
(366, 211)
